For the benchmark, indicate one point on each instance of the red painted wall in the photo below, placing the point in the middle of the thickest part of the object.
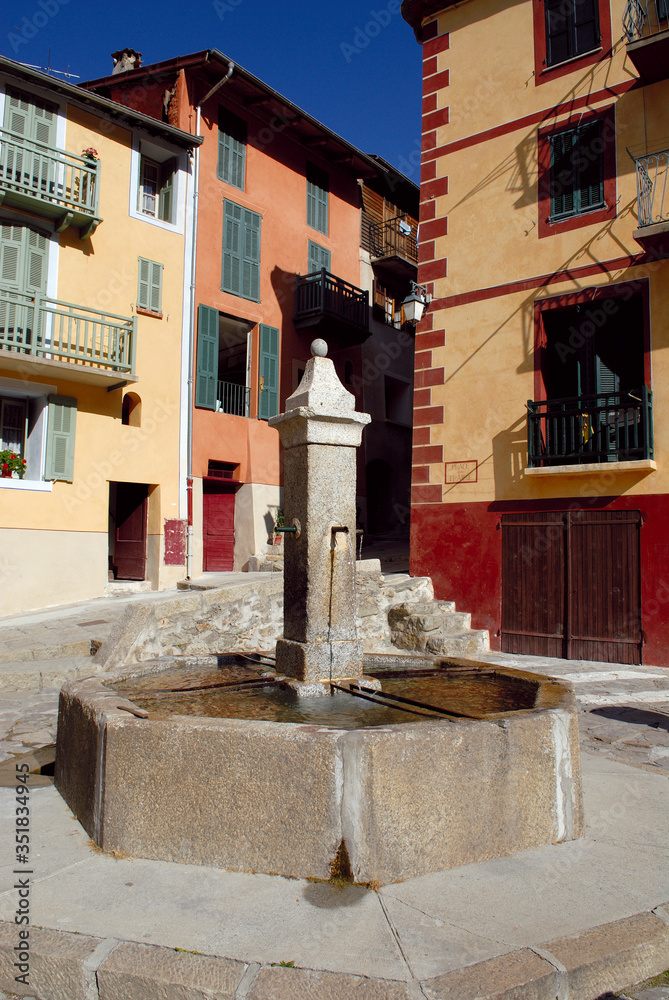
(460, 547)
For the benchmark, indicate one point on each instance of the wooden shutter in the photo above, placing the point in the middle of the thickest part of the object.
(206, 381)
(317, 199)
(149, 291)
(562, 173)
(231, 149)
(251, 256)
(60, 438)
(590, 162)
(586, 26)
(10, 256)
(166, 199)
(318, 257)
(268, 366)
(232, 257)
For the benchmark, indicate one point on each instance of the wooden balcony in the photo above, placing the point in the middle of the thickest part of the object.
(646, 27)
(586, 430)
(652, 181)
(394, 250)
(85, 345)
(339, 309)
(49, 183)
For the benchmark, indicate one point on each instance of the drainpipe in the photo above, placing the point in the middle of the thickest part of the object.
(191, 338)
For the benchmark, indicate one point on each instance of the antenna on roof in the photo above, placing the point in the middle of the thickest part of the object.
(50, 71)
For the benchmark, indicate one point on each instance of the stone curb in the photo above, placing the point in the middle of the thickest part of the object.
(67, 966)
(33, 676)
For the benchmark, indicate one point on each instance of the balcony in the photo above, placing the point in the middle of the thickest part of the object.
(646, 27)
(84, 345)
(50, 183)
(338, 308)
(586, 430)
(394, 250)
(233, 398)
(652, 184)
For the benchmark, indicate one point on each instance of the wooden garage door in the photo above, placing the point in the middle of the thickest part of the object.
(571, 585)
(219, 531)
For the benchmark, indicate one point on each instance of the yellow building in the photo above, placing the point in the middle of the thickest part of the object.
(541, 421)
(94, 271)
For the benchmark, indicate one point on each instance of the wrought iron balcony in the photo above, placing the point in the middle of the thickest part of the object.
(49, 182)
(323, 298)
(652, 182)
(35, 330)
(232, 398)
(393, 248)
(580, 430)
(646, 27)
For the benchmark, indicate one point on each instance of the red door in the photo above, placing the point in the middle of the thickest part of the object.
(132, 510)
(219, 531)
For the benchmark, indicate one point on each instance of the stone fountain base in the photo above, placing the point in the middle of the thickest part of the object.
(403, 800)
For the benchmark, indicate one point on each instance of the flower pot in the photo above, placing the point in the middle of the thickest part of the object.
(6, 473)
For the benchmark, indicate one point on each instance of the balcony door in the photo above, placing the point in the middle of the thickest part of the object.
(25, 159)
(23, 269)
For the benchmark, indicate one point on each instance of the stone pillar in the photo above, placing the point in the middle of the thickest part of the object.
(320, 431)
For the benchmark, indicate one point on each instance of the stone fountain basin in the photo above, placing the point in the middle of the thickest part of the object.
(281, 798)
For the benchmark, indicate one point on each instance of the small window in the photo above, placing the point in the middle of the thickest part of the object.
(572, 29)
(131, 413)
(231, 149)
(149, 291)
(319, 257)
(577, 171)
(12, 425)
(317, 198)
(156, 189)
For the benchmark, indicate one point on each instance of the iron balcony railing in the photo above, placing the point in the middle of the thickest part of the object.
(395, 236)
(322, 294)
(644, 18)
(61, 182)
(46, 328)
(607, 427)
(652, 183)
(232, 398)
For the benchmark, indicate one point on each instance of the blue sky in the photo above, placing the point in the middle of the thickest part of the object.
(354, 66)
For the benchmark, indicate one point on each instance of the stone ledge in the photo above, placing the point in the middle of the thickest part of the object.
(149, 972)
(275, 983)
(59, 963)
(520, 975)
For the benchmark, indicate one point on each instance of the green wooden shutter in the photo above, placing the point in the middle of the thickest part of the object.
(317, 199)
(150, 285)
(206, 381)
(591, 172)
(232, 256)
(251, 259)
(166, 198)
(318, 257)
(231, 149)
(268, 368)
(562, 173)
(60, 438)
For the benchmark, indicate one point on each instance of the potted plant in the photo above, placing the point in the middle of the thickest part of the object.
(10, 463)
(278, 523)
(90, 154)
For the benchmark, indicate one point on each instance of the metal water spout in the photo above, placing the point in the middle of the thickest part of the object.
(320, 431)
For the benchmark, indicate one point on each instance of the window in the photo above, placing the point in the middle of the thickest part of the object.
(577, 175)
(223, 362)
(317, 198)
(39, 427)
(319, 257)
(577, 171)
(241, 252)
(231, 149)
(156, 188)
(268, 369)
(12, 425)
(149, 290)
(572, 29)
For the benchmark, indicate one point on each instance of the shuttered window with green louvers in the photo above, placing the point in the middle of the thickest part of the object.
(207, 357)
(317, 198)
(231, 149)
(60, 435)
(577, 171)
(318, 258)
(268, 368)
(241, 252)
(149, 289)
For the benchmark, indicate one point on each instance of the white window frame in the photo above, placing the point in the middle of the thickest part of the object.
(156, 154)
(34, 394)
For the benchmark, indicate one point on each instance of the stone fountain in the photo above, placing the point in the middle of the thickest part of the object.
(379, 801)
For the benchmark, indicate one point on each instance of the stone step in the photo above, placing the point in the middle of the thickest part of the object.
(58, 651)
(469, 643)
(44, 675)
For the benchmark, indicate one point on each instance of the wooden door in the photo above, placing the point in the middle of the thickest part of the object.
(571, 585)
(218, 530)
(132, 509)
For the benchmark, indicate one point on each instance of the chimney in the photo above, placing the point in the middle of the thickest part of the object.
(125, 60)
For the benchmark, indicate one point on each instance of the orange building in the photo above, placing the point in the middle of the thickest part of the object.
(541, 495)
(278, 202)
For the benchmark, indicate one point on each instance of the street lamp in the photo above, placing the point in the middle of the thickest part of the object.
(415, 304)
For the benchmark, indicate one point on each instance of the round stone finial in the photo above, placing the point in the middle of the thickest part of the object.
(319, 349)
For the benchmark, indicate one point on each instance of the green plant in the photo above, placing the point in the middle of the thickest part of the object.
(278, 520)
(11, 462)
